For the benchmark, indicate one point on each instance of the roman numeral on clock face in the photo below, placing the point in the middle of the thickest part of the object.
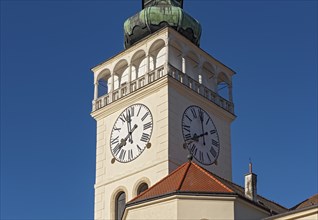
(193, 150)
(145, 116)
(122, 154)
(188, 117)
(209, 158)
(139, 148)
(213, 152)
(187, 137)
(201, 157)
(212, 131)
(186, 128)
(132, 111)
(145, 137)
(194, 113)
(138, 111)
(123, 118)
(215, 143)
(201, 115)
(130, 154)
(115, 140)
(116, 149)
(207, 121)
(147, 125)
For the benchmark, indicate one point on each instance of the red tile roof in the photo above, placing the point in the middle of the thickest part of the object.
(308, 202)
(191, 178)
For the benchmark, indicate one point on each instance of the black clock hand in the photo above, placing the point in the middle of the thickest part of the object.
(123, 141)
(201, 120)
(129, 126)
(202, 135)
(196, 137)
(130, 133)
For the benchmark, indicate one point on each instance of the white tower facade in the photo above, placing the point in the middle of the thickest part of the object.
(167, 75)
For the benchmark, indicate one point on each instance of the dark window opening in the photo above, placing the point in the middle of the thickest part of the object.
(120, 204)
(143, 187)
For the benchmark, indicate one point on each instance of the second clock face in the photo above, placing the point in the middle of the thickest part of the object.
(200, 135)
(131, 133)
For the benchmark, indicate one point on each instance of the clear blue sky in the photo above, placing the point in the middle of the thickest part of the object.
(48, 136)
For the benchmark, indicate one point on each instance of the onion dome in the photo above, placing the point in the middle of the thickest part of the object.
(157, 14)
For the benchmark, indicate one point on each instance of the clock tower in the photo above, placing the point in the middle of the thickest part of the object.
(156, 101)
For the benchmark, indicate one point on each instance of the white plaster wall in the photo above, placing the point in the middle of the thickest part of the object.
(152, 163)
(160, 210)
(184, 207)
(181, 97)
(204, 208)
(245, 211)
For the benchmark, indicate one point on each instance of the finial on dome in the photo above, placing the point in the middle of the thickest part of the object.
(148, 3)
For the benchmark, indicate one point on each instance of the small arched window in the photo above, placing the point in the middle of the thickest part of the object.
(142, 187)
(120, 203)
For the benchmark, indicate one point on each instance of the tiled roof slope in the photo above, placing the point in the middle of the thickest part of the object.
(191, 178)
(308, 202)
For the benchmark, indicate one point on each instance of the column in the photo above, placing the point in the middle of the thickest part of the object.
(147, 69)
(184, 64)
(111, 88)
(95, 90)
(167, 67)
(129, 77)
(183, 70)
(230, 93)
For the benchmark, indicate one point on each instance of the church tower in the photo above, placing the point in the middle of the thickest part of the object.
(155, 102)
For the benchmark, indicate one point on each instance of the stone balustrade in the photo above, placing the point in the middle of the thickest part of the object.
(127, 88)
(201, 89)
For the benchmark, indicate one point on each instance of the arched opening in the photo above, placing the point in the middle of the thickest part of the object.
(141, 188)
(208, 74)
(223, 86)
(158, 53)
(104, 83)
(139, 64)
(120, 203)
(176, 55)
(160, 59)
(121, 72)
(223, 90)
(192, 64)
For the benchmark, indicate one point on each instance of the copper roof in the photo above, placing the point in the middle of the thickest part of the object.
(190, 178)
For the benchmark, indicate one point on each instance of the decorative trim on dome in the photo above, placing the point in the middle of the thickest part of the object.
(161, 14)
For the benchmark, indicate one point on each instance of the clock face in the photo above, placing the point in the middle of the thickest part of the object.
(131, 133)
(200, 135)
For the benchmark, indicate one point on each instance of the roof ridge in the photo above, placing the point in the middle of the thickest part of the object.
(258, 195)
(176, 170)
(297, 205)
(184, 176)
(214, 178)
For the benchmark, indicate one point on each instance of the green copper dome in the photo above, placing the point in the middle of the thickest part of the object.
(157, 14)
